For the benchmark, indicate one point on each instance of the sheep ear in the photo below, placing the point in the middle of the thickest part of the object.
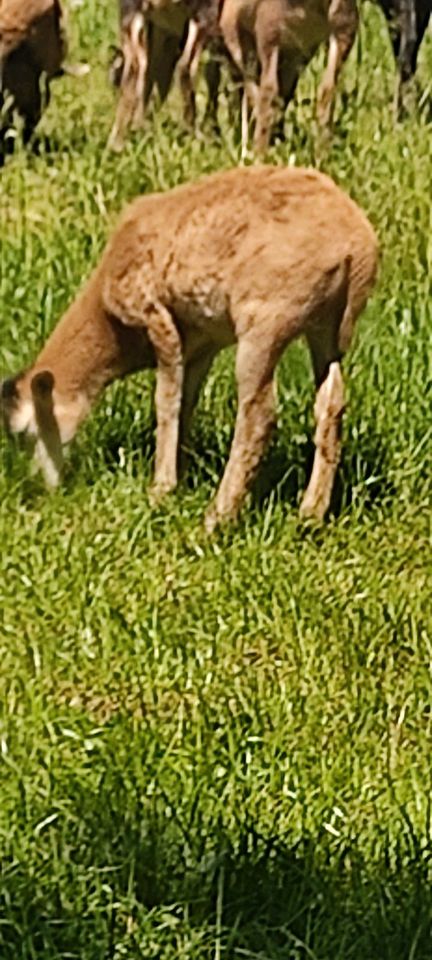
(48, 451)
(42, 385)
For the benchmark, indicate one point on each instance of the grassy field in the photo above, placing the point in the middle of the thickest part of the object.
(219, 749)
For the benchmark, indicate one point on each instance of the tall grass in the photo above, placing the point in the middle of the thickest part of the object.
(219, 748)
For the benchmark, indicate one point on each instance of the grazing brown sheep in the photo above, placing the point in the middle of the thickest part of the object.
(284, 35)
(254, 257)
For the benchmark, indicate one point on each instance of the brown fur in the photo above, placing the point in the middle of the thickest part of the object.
(284, 35)
(253, 256)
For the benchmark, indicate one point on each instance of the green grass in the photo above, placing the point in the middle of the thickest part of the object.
(219, 749)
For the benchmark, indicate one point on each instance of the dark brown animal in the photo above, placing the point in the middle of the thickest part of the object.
(32, 50)
(284, 35)
(408, 21)
(254, 257)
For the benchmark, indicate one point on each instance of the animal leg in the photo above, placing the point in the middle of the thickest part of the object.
(268, 90)
(130, 107)
(244, 121)
(255, 419)
(187, 68)
(288, 75)
(212, 73)
(140, 85)
(196, 370)
(422, 18)
(163, 54)
(167, 345)
(23, 78)
(343, 22)
(235, 45)
(328, 410)
(411, 29)
(167, 355)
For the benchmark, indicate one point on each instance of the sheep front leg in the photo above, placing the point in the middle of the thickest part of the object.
(329, 407)
(255, 419)
(166, 341)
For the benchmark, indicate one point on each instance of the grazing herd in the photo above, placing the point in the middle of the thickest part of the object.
(255, 256)
(265, 44)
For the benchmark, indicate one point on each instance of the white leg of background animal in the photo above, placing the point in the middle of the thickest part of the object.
(187, 69)
(231, 36)
(142, 58)
(130, 106)
(244, 123)
(255, 420)
(343, 23)
(249, 105)
(77, 70)
(326, 93)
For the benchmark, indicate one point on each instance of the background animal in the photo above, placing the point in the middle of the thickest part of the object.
(408, 20)
(154, 37)
(284, 37)
(255, 257)
(32, 50)
(149, 50)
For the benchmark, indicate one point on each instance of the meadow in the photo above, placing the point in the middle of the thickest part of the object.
(219, 748)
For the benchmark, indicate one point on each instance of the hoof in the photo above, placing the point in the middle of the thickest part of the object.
(211, 521)
(312, 510)
(157, 493)
(77, 69)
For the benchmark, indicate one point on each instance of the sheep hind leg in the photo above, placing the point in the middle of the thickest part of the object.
(328, 410)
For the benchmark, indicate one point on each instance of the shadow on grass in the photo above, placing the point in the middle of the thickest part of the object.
(129, 893)
(283, 473)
